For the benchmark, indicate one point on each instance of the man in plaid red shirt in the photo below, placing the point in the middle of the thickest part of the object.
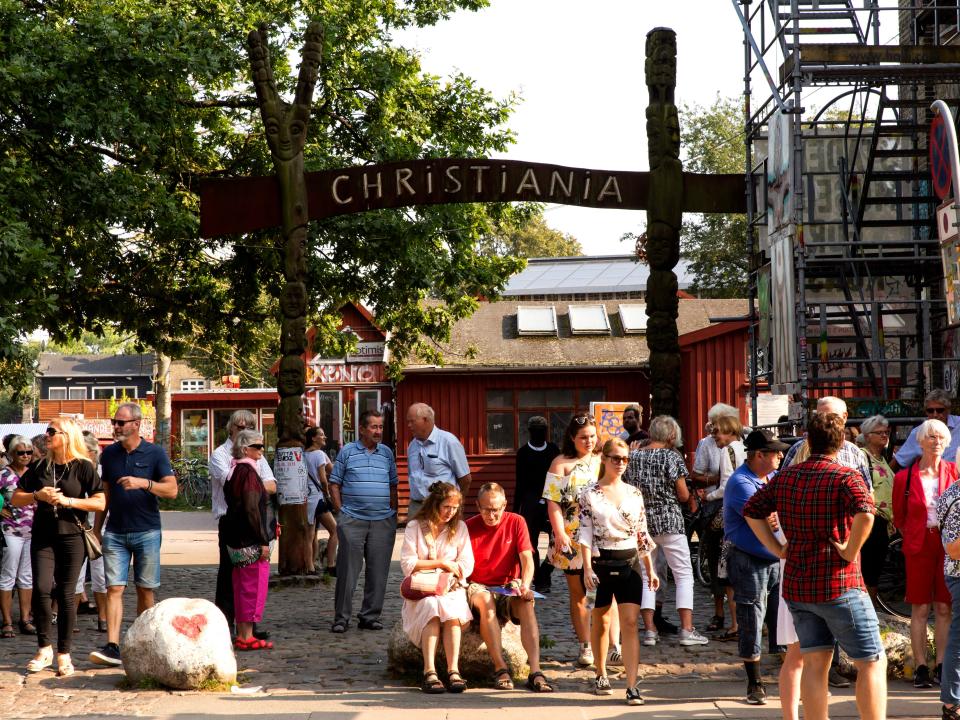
(826, 512)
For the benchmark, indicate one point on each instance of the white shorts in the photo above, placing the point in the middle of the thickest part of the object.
(16, 569)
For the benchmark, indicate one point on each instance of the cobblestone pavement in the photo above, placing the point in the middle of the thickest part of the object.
(309, 659)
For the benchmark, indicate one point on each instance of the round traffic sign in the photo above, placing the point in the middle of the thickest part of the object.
(941, 172)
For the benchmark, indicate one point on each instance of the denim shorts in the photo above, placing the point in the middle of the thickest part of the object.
(143, 547)
(849, 619)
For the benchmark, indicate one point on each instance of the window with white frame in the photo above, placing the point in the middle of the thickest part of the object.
(77, 393)
(107, 393)
(57, 393)
(193, 384)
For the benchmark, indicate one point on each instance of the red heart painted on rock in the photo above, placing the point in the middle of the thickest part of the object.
(189, 626)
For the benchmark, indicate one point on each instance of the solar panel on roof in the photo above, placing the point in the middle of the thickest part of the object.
(589, 320)
(633, 317)
(536, 320)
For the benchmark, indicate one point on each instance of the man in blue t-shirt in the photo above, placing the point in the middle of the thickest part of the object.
(752, 570)
(363, 488)
(135, 474)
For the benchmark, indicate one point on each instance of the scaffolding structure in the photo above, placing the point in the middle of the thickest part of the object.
(846, 275)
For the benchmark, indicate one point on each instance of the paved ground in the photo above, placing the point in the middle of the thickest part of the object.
(313, 673)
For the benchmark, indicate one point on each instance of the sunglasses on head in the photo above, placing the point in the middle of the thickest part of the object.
(582, 419)
(256, 446)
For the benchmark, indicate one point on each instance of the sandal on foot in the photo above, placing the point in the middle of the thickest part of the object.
(716, 624)
(502, 680)
(537, 683)
(6, 632)
(339, 628)
(369, 624)
(252, 644)
(729, 635)
(64, 666)
(950, 713)
(431, 684)
(455, 682)
(27, 627)
(42, 660)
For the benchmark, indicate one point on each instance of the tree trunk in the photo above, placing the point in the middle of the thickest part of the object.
(162, 403)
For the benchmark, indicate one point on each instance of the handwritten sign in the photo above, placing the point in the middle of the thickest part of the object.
(291, 474)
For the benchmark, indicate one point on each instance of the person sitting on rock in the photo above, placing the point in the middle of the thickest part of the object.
(436, 538)
(503, 561)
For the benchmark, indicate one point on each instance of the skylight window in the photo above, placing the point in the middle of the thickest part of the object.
(589, 320)
(633, 317)
(536, 320)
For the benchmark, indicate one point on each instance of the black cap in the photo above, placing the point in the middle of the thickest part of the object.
(764, 440)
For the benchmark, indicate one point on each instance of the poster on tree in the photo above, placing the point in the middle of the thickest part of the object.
(291, 474)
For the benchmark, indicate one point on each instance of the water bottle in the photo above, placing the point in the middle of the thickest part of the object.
(592, 592)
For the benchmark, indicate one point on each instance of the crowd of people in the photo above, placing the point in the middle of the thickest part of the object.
(795, 538)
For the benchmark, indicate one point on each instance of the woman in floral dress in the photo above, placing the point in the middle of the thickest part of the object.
(577, 465)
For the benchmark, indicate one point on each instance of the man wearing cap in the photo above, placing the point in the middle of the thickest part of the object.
(753, 571)
(433, 454)
(533, 462)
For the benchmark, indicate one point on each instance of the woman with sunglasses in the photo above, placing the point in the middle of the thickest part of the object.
(63, 488)
(659, 472)
(247, 538)
(577, 465)
(613, 544)
(916, 490)
(874, 438)
(16, 523)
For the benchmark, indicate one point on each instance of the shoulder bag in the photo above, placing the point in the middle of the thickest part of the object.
(427, 583)
(90, 543)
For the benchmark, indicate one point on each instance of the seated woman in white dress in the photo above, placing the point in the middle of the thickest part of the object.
(438, 538)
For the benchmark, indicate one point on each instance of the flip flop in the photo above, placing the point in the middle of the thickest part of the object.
(729, 635)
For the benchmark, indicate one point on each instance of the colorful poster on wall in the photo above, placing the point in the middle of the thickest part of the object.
(291, 474)
(609, 417)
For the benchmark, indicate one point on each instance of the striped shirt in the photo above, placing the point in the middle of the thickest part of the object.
(365, 478)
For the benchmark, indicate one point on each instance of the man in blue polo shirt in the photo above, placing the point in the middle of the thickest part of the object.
(433, 454)
(363, 488)
(135, 474)
(752, 570)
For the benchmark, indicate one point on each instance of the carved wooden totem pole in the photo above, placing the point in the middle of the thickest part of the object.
(664, 219)
(286, 130)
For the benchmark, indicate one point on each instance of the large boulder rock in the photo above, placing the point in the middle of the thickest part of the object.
(895, 634)
(404, 657)
(180, 643)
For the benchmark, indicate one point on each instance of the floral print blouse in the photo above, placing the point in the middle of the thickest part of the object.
(606, 526)
(882, 477)
(655, 472)
(17, 521)
(948, 517)
(565, 491)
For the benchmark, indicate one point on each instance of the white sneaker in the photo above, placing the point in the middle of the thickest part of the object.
(692, 637)
(586, 655)
(615, 657)
(649, 638)
(601, 686)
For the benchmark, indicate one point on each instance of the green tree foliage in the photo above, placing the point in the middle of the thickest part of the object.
(533, 238)
(110, 113)
(713, 142)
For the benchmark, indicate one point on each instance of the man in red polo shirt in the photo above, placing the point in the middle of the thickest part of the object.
(503, 559)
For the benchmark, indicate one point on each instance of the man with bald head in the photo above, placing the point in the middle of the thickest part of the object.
(433, 454)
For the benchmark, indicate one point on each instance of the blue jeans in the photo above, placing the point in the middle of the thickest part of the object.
(143, 547)
(848, 619)
(756, 588)
(950, 677)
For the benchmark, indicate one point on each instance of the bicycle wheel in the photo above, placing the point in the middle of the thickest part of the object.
(892, 585)
(702, 570)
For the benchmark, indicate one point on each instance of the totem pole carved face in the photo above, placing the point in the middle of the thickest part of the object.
(290, 379)
(286, 132)
(293, 299)
(663, 133)
(661, 64)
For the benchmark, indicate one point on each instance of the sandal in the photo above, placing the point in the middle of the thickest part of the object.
(64, 666)
(950, 713)
(27, 627)
(6, 632)
(716, 624)
(455, 682)
(42, 660)
(369, 624)
(502, 679)
(431, 684)
(339, 628)
(252, 644)
(537, 683)
(729, 635)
